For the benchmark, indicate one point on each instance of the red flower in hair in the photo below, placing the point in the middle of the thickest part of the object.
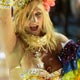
(48, 3)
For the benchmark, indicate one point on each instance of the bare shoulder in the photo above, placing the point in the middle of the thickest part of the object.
(61, 37)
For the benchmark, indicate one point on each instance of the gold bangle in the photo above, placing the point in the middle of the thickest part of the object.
(6, 3)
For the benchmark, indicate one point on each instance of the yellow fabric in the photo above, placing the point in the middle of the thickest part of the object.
(78, 76)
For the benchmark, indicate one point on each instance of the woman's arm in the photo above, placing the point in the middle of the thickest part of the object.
(7, 33)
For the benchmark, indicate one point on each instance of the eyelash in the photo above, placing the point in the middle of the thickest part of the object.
(38, 14)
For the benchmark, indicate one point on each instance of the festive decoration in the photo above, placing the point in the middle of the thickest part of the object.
(70, 58)
(40, 74)
(21, 3)
(35, 74)
(47, 3)
(6, 3)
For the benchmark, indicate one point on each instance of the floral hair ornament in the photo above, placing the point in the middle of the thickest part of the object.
(47, 3)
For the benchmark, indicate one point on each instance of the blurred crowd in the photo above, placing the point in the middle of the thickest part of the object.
(66, 14)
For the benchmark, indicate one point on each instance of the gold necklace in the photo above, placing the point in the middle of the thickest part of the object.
(36, 47)
(36, 44)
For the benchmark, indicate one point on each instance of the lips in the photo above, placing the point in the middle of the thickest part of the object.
(34, 28)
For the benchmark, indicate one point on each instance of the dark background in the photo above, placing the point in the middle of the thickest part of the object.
(66, 18)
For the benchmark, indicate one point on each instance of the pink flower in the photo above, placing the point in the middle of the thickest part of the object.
(48, 3)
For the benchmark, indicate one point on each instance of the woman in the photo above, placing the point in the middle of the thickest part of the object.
(31, 44)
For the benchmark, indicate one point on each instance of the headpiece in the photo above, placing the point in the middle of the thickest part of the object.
(47, 3)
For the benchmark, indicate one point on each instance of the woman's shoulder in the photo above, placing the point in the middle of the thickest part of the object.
(60, 40)
(61, 37)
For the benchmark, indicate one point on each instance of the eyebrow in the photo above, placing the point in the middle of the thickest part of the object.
(37, 8)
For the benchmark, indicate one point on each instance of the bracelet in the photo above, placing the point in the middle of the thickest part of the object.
(6, 3)
(35, 74)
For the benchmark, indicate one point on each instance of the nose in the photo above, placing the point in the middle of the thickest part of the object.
(34, 19)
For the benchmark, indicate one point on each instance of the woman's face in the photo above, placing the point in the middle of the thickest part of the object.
(35, 20)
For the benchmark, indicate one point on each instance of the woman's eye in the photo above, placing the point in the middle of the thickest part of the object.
(38, 14)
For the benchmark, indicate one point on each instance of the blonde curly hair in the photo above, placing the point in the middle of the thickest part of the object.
(20, 18)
